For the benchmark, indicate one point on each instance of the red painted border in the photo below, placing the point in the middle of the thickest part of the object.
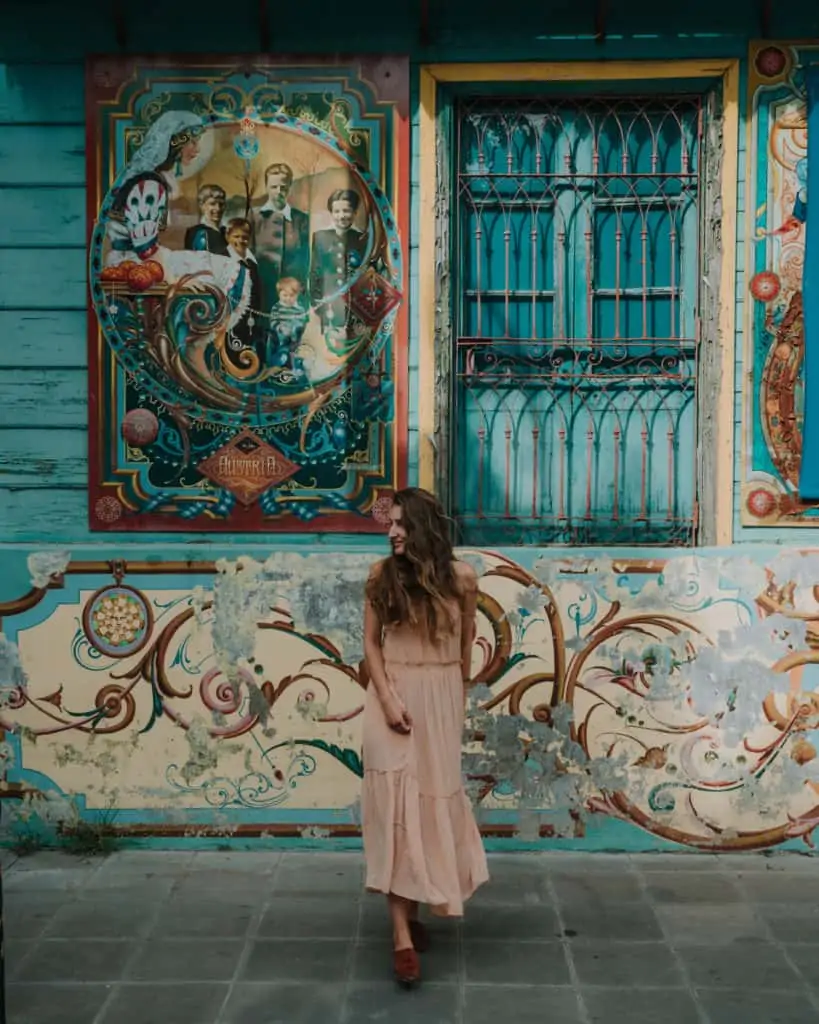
(104, 76)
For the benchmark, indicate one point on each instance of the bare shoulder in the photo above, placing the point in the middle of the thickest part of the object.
(466, 576)
(376, 569)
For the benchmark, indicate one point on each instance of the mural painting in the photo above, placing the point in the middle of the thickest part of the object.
(777, 187)
(678, 697)
(247, 331)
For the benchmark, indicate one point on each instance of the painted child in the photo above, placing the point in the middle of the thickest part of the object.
(288, 320)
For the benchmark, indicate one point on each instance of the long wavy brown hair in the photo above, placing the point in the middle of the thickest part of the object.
(415, 586)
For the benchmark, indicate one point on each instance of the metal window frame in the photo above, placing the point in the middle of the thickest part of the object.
(718, 81)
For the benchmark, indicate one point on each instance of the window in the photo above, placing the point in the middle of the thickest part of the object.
(576, 294)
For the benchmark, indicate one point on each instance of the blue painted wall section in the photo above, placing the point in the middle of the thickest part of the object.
(626, 647)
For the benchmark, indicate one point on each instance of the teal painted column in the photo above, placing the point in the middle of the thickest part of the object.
(809, 471)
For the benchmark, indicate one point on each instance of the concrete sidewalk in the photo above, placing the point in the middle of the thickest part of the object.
(265, 938)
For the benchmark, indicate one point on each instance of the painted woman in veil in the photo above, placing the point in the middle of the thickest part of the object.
(171, 145)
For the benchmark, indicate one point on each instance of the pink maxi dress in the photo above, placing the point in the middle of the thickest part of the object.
(420, 836)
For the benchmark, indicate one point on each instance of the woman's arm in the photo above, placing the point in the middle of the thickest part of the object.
(394, 711)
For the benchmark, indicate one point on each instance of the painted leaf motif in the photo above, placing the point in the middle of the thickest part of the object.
(654, 757)
(346, 755)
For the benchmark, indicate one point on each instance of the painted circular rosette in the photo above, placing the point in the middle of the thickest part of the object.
(117, 620)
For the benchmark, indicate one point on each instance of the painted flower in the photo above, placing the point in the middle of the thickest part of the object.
(119, 620)
(761, 503)
(771, 61)
(765, 286)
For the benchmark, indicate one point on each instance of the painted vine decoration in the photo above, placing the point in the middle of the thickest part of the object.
(587, 699)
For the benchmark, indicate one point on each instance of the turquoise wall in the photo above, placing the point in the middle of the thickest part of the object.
(42, 180)
(43, 385)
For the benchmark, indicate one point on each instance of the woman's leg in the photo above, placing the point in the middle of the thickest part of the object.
(400, 915)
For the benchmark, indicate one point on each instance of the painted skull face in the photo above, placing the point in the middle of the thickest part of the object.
(146, 211)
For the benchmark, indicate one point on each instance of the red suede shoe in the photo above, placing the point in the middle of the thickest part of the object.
(407, 968)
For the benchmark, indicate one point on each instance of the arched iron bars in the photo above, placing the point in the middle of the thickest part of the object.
(576, 353)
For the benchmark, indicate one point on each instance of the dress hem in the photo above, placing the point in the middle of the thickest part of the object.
(436, 909)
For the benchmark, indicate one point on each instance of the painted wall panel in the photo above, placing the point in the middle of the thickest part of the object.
(41, 94)
(647, 720)
(674, 695)
(46, 217)
(43, 279)
(38, 338)
(44, 458)
(36, 398)
(32, 155)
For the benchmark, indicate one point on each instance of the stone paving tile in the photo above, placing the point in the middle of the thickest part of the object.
(740, 1006)
(373, 1003)
(576, 889)
(246, 862)
(765, 887)
(197, 916)
(515, 881)
(55, 1004)
(530, 963)
(297, 960)
(101, 918)
(697, 925)
(27, 914)
(626, 964)
(16, 952)
(757, 965)
(186, 960)
(192, 1003)
(142, 864)
(77, 960)
(806, 960)
(279, 1003)
(522, 1004)
(634, 922)
(711, 888)
(333, 918)
(45, 860)
(650, 862)
(264, 938)
(318, 875)
(790, 922)
(49, 879)
(487, 922)
(230, 885)
(624, 1006)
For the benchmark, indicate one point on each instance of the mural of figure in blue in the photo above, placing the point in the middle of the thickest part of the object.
(281, 233)
(241, 334)
(337, 254)
(208, 235)
(288, 320)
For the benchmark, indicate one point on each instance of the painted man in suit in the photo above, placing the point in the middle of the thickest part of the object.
(281, 234)
(337, 255)
(207, 235)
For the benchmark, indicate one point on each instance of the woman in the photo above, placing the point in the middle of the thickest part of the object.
(171, 145)
(421, 842)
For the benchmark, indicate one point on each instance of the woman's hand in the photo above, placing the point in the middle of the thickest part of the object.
(397, 716)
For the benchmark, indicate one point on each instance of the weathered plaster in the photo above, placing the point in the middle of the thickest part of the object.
(678, 694)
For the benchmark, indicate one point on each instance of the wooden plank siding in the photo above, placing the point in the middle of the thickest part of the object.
(43, 281)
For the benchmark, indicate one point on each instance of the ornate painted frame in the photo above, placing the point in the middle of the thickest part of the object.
(363, 409)
(717, 360)
(773, 355)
